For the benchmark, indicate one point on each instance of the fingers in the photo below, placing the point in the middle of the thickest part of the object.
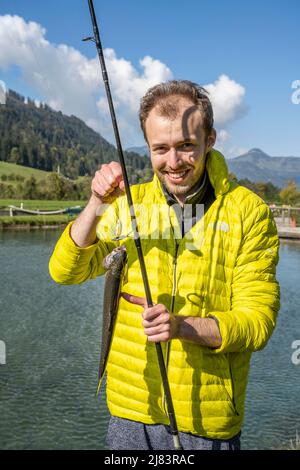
(108, 181)
(157, 321)
(153, 318)
(122, 185)
(161, 332)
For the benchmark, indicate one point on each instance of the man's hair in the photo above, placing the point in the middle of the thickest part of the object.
(165, 95)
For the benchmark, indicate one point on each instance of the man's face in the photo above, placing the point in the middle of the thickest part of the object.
(178, 147)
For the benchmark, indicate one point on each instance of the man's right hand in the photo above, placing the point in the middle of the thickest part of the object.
(108, 182)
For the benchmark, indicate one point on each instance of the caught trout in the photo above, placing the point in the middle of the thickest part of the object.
(114, 263)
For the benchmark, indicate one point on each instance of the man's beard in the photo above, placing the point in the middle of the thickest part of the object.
(176, 189)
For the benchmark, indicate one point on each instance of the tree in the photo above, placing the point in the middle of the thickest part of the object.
(290, 194)
(14, 155)
(82, 167)
(42, 138)
(55, 186)
(30, 188)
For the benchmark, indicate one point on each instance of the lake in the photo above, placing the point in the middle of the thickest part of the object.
(52, 338)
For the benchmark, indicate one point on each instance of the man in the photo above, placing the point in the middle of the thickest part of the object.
(211, 274)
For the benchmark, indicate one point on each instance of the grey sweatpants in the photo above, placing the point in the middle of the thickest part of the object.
(124, 434)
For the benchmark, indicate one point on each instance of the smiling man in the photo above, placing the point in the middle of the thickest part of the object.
(215, 299)
(178, 143)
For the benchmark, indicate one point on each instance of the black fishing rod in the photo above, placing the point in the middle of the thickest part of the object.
(137, 239)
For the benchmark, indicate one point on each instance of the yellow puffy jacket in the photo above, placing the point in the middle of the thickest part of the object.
(223, 267)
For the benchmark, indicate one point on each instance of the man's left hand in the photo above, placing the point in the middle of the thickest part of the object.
(159, 324)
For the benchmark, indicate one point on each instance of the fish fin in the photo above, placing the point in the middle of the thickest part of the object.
(99, 385)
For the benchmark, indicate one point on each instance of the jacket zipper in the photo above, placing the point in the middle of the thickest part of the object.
(232, 387)
(171, 311)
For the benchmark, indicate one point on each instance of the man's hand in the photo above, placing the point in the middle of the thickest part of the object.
(108, 182)
(159, 324)
(106, 186)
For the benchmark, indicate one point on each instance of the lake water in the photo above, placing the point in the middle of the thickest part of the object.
(52, 336)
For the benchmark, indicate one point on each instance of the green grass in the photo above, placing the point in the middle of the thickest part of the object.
(294, 444)
(36, 220)
(26, 172)
(40, 204)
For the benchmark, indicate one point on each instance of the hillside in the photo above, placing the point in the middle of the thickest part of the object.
(12, 173)
(256, 165)
(143, 150)
(41, 138)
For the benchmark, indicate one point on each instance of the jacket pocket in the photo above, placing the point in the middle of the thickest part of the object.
(229, 387)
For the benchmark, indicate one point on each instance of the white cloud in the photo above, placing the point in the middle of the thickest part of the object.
(227, 99)
(223, 136)
(232, 151)
(68, 81)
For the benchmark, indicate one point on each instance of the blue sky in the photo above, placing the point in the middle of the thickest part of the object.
(254, 44)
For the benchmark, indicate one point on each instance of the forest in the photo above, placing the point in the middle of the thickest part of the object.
(34, 135)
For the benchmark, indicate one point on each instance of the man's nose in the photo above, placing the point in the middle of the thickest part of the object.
(174, 158)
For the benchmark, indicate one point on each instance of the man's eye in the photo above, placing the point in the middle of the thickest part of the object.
(160, 150)
(187, 146)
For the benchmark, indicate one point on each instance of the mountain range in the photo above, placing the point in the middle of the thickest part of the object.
(256, 165)
(142, 151)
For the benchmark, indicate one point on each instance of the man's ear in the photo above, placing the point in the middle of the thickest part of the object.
(211, 140)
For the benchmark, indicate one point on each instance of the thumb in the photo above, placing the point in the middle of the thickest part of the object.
(122, 185)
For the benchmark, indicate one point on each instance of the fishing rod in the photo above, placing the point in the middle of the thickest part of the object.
(137, 239)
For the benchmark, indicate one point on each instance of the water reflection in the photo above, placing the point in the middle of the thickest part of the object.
(52, 334)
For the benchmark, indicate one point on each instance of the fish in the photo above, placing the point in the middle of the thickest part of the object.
(114, 262)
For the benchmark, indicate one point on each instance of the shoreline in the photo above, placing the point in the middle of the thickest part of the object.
(284, 233)
(28, 227)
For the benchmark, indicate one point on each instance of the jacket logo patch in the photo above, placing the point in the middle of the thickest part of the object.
(219, 225)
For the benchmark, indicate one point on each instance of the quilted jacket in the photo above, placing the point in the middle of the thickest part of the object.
(223, 267)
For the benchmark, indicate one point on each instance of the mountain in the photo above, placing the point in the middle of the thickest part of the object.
(143, 150)
(256, 165)
(36, 136)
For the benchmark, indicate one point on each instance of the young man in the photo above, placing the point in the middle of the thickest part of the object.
(211, 274)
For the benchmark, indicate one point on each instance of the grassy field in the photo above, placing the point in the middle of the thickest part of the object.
(25, 221)
(40, 204)
(11, 168)
(36, 220)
